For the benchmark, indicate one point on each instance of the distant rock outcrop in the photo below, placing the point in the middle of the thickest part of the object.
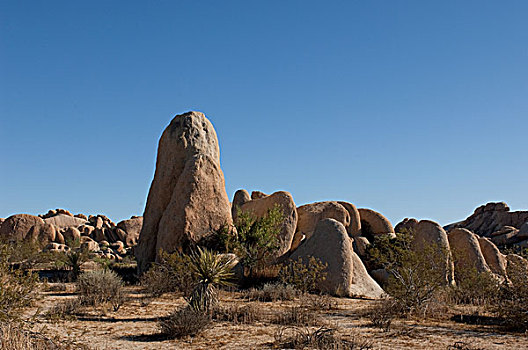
(187, 200)
(16, 227)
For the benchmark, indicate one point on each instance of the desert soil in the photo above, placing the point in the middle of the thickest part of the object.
(134, 326)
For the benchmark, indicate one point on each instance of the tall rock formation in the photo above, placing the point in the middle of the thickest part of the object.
(187, 200)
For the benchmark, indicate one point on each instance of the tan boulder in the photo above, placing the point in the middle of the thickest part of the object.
(89, 244)
(505, 236)
(373, 223)
(187, 200)
(64, 220)
(406, 225)
(71, 234)
(132, 228)
(118, 247)
(240, 198)
(258, 195)
(310, 214)
(86, 230)
(430, 235)
(494, 258)
(466, 250)
(42, 234)
(360, 245)
(354, 228)
(259, 208)
(81, 216)
(16, 227)
(346, 274)
(56, 248)
(59, 238)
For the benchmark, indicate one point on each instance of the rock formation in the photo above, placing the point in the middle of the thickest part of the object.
(466, 250)
(373, 223)
(346, 274)
(259, 207)
(16, 227)
(494, 258)
(187, 200)
(354, 228)
(311, 214)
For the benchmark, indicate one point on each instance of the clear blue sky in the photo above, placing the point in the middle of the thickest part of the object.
(412, 108)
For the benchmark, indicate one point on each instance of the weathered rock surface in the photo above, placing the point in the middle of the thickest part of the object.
(360, 245)
(71, 234)
(16, 227)
(311, 214)
(505, 236)
(354, 228)
(132, 228)
(491, 217)
(259, 207)
(494, 258)
(187, 200)
(346, 274)
(406, 225)
(466, 249)
(43, 234)
(373, 223)
(430, 235)
(240, 198)
(63, 220)
(258, 195)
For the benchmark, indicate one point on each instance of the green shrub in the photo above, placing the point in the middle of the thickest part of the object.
(171, 274)
(100, 287)
(255, 240)
(475, 288)
(512, 304)
(304, 276)
(18, 289)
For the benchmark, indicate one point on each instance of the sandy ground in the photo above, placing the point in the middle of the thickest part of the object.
(134, 326)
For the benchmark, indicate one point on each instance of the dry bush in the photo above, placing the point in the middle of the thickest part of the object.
(64, 311)
(297, 316)
(14, 337)
(303, 275)
(462, 346)
(318, 302)
(383, 313)
(272, 292)
(100, 287)
(512, 304)
(237, 314)
(171, 274)
(56, 287)
(321, 338)
(474, 288)
(184, 322)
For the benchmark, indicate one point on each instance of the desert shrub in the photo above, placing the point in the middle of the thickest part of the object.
(18, 289)
(475, 288)
(100, 287)
(459, 345)
(13, 336)
(272, 292)
(318, 302)
(238, 314)
(383, 313)
(512, 304)
(184, 322)
(297, 316)
(56, 287)
(416, 277)
(321, 338)
(171, 274)
(255, 240)
(211, 271)
(63, 311)
(303, 275)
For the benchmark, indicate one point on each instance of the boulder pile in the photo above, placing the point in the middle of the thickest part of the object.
(58, 230)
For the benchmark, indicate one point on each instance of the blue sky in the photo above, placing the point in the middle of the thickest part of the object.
(412, 108)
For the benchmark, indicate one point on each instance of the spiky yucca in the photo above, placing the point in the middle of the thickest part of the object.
(211, 270)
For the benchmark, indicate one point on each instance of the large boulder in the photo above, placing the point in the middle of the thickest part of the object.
(132, 228)
(16, 227)
(507, 235)
(42, 234)
(373, 223)
(430, 235)
(240, 198)
(71, 234)
(491, 217)
(346, 274)
(465, 248)
(494, 258)
(406, 225)
(259, 208)
(354, 228)
(187, 200)
(311, 214)
(64, 220)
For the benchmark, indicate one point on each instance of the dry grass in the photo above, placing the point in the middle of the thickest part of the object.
(272, 292)
(15, 337)
(237, 314)
(297, 316)
(321, 338)
(185, 322)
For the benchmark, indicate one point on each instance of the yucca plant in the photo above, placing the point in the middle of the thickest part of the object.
(211, 270)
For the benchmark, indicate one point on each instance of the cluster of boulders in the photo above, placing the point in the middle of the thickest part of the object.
(496, 222)
(60, 231)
